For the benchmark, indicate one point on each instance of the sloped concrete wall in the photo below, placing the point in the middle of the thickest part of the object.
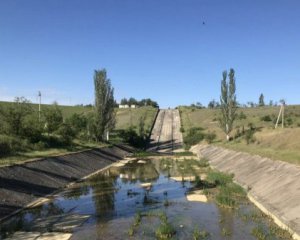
(24, 183)
(273, 185)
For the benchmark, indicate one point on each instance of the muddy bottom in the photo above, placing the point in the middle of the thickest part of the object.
(133, 200)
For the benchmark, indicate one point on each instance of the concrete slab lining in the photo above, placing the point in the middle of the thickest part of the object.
(274, 186)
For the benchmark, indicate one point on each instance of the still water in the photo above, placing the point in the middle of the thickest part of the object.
(105, 206)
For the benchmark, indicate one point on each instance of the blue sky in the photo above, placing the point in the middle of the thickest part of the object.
(150, 48)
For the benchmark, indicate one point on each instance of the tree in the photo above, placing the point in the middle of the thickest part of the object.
(213, 104)
(228, 102)
(53, 118)
(261, 101)
(15, 114)
(124, 101)
(104, 105)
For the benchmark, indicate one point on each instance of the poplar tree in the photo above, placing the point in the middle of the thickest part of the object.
(104, 105)
(228, 102)
(261, 101)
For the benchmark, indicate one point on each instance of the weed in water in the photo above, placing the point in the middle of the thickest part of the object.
(259, 233)
(219, 178)
(131, 231)
(200, 235)
(165, 231)
(225, 232)
(137, 219)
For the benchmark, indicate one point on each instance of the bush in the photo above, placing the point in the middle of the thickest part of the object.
(242, 116)
(9, 145)
(67, 133)
(219, 178)
(210, 137)
(289, 121)
(5, 146)
(266, 118)
(194, 136)
(78, 122)
(131, 137)
(249, 136)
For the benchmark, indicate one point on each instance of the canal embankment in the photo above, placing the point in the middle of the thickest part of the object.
(274, 186)
(23, 184)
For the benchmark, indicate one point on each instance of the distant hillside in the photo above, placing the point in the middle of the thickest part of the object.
(282, 144)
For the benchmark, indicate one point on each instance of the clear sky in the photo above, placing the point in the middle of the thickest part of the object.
(151, 48)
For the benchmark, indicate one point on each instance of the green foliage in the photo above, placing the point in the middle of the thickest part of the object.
(228, 102)
(249, 134)
(32, 128)
(11, 144)
(219, 178)
(165, 231)
(141, 103)
(266, 118)
(194, 136)
(289, 121)
(14, 115)
(185, 153)
(104, 104)
(213, 104)
(53, 118)
(78, 122)
(242, 116)
(210, 137)
(259, 233)
(200, 235)
(261, 101)
(182, 129)
(67, 133)
(131, 137)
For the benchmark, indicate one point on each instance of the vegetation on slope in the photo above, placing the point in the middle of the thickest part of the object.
(253, 130)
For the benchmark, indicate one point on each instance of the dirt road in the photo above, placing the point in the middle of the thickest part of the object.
(166, 136)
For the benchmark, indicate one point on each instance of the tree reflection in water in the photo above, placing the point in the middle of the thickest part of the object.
(103, 195)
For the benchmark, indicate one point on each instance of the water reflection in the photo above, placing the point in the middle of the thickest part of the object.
(105, 205)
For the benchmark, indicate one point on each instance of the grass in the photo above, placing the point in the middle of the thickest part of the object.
(200, 235)
(277, 144)
(67, 111)
(165, 229)
(131, 117)
(228, 193)
(124, 119)
(31, 155)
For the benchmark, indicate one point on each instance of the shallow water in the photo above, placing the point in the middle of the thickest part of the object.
(105, 206)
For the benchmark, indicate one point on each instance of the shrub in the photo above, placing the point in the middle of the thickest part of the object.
(242, 116)
(210, 137)
(5, 145)
(9, 145)
(219, 178)
(194, 136)
(67, 133)
(249, 136)
(266, 118)
(289, 121)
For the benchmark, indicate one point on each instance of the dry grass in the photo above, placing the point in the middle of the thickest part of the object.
(279, 144)
(131, 117)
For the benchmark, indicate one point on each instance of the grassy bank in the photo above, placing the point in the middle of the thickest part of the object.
(125, 118)
(67, 111)
(277, 144)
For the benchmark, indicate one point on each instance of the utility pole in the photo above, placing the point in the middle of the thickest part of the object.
(281, 113)
(40, 100)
